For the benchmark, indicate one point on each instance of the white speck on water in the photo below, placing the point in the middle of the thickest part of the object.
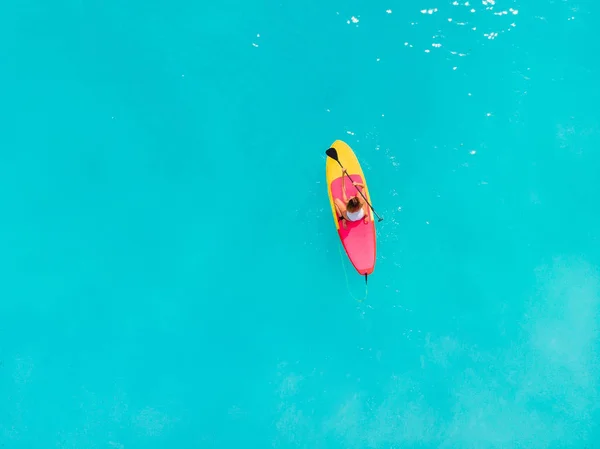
(454, 68)
(474, 28)
(436, 45)
(426, 222)
(350, 132)
(472, 152)
(473, 10)
(254, 45)
(427, 51)
(469, 94)
(378, 59)
(489, 114)
(383, 115)
(354, 19)
(406, 44)
(327, 110)
(389, 11)
(449, 19)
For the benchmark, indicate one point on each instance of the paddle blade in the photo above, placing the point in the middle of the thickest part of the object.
(332, 153)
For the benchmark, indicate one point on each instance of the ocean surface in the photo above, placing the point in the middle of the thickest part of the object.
(170, 273)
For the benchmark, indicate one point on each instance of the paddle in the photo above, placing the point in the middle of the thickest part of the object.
(332, 153)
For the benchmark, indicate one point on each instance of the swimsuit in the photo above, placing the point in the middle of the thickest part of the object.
(354, 216)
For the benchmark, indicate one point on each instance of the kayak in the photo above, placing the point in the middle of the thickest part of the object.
(358, 239)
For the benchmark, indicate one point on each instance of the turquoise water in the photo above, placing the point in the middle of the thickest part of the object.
(171, 277)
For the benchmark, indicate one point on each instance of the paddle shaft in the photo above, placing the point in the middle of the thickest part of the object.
(358, 190)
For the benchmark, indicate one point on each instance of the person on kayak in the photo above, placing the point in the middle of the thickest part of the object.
(351, 209)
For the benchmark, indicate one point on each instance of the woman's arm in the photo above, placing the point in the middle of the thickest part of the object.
(360, 189)
(344, 196)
